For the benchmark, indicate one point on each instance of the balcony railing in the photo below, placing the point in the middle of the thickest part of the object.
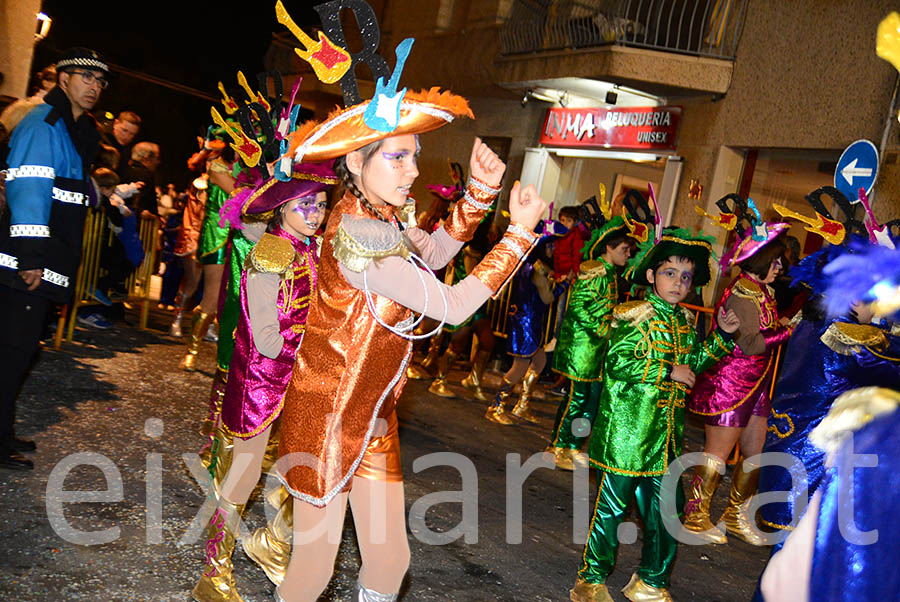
(708, 28)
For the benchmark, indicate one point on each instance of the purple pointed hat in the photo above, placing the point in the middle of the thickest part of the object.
(751, 244)
(308, 180)
(751, 239)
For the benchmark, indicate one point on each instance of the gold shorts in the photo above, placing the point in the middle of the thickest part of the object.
(381, 462)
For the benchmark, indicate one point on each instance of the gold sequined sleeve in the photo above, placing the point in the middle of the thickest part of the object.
(470, 210)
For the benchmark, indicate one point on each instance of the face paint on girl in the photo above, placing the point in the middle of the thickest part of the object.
(303, 216)
(388, 176)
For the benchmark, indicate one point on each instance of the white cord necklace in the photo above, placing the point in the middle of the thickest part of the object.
(402, 332)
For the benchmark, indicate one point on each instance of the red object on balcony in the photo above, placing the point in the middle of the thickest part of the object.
(631, 128)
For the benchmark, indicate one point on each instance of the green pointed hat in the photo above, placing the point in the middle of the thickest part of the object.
(677, 242)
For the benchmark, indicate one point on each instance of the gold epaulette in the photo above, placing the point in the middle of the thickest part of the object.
(591, 269)
(847, 339)
(688, 315)
(748, 289)
(850, 412)
(272, 255)
(633, 311)
(407, 213)
(359, 240)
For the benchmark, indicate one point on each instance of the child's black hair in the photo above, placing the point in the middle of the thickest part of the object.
(570, 212)
(615, 241)
(655, 265)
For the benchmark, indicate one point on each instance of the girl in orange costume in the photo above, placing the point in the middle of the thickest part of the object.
(339, 440)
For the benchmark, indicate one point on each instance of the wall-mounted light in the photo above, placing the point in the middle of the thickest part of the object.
(43, 27)
(560, 97)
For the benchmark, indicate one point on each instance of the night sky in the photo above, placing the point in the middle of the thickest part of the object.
(191, 43)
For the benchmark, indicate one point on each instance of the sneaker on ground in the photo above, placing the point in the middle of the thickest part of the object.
(94, 321)
(101, 297)
(560, 391)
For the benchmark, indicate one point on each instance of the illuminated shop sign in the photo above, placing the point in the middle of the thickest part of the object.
(634, 128)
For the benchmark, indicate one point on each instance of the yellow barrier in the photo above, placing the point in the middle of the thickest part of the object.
(97, 236)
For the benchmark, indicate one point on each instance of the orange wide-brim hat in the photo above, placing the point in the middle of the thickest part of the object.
(344, 131)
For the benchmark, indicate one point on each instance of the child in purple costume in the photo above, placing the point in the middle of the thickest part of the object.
(277, 283)
(733, 397)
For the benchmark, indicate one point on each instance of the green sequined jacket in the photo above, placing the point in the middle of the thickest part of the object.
(584, 333)
(640, 419)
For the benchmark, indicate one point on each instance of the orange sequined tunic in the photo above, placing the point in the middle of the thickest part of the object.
(350, 370)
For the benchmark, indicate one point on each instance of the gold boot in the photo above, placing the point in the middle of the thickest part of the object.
(521, 409)
(589, 592)
(217, 582)
(421, 371)
(439, 386)
(496, 412)
(270, 546)
(639, 591)
(475, 378)
(696, 510)
(221, 456)
(208, 428)
(199, 325)
(737, 517)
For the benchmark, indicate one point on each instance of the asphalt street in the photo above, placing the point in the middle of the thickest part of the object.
(113, 414)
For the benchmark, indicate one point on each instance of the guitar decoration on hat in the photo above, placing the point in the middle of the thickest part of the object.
(329, 61)
(383, 112)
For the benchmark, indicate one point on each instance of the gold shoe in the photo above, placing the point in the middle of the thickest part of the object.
(217, 582)
(439, 386)
(589, 592)
(521, 409)
(199, 325)
(496, 412)
(696, 510)
(270, 546)
(639, 591)
(474, 380)
(567, 459)
(737, 517)
(417, 372)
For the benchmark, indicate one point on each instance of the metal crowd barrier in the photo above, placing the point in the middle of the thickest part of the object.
(97, 236)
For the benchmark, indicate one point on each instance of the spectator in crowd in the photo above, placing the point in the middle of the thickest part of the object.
(171, 269)
(51, 150)
(141, 168)
(107, 157)
(125, 129)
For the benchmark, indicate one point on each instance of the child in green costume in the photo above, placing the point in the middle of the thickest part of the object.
(652, 360)
(584, 335)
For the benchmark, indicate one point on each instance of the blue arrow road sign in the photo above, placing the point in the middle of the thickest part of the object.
(857, 168)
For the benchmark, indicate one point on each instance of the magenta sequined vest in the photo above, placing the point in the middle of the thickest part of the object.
(254, 394)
